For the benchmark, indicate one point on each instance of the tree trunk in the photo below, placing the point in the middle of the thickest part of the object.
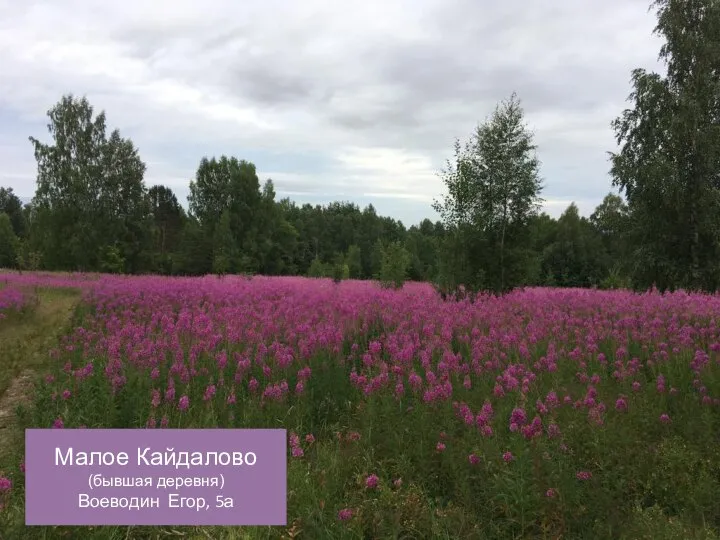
(502, 237)
(502, 253)
(695, 190)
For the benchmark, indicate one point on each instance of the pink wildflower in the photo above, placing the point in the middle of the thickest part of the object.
(209, 392)
(294, 439)
(371, 482)
(184, 403)
(621, 404)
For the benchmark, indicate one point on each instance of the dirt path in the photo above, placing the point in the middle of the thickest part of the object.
(24, 347)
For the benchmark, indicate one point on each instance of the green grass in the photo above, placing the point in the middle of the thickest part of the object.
(26, 337)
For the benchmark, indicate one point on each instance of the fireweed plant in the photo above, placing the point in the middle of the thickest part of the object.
(542, 413)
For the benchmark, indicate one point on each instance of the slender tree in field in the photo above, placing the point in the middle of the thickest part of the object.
(669, 161)
(493, 189)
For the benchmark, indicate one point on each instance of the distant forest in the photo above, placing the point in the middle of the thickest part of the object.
(107, 221)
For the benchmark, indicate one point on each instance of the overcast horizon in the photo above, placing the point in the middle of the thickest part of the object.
(333, 101)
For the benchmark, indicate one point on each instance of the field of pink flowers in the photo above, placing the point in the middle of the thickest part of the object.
(546, 413)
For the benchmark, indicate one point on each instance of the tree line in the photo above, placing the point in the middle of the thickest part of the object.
(93, 212)
(82, 219)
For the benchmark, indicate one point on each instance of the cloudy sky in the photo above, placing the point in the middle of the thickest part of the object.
(333, 100)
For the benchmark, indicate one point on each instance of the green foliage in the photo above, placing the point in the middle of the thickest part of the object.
(339, 269)
(32, 260)
(223, 246)
(651, 523)
(376, 258)
(615, 280)
(27, 259)
(228, 188)
(194, 256)
(9, 243)
(354, 262)
(221, 264)
(459, 264)
(394, 266)
(168, 219)
(576, 256)
(317, 269)
(90, 192)
(111, 260)
(493, 191)
(11, 205)
(670, 153)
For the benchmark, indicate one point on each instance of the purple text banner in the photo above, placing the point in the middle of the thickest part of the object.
(155, 477)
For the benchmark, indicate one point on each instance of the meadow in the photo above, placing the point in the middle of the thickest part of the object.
(545, 413)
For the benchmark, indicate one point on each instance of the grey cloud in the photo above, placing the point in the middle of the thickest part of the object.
(273, 88)
(463, 60)
(405, 76)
